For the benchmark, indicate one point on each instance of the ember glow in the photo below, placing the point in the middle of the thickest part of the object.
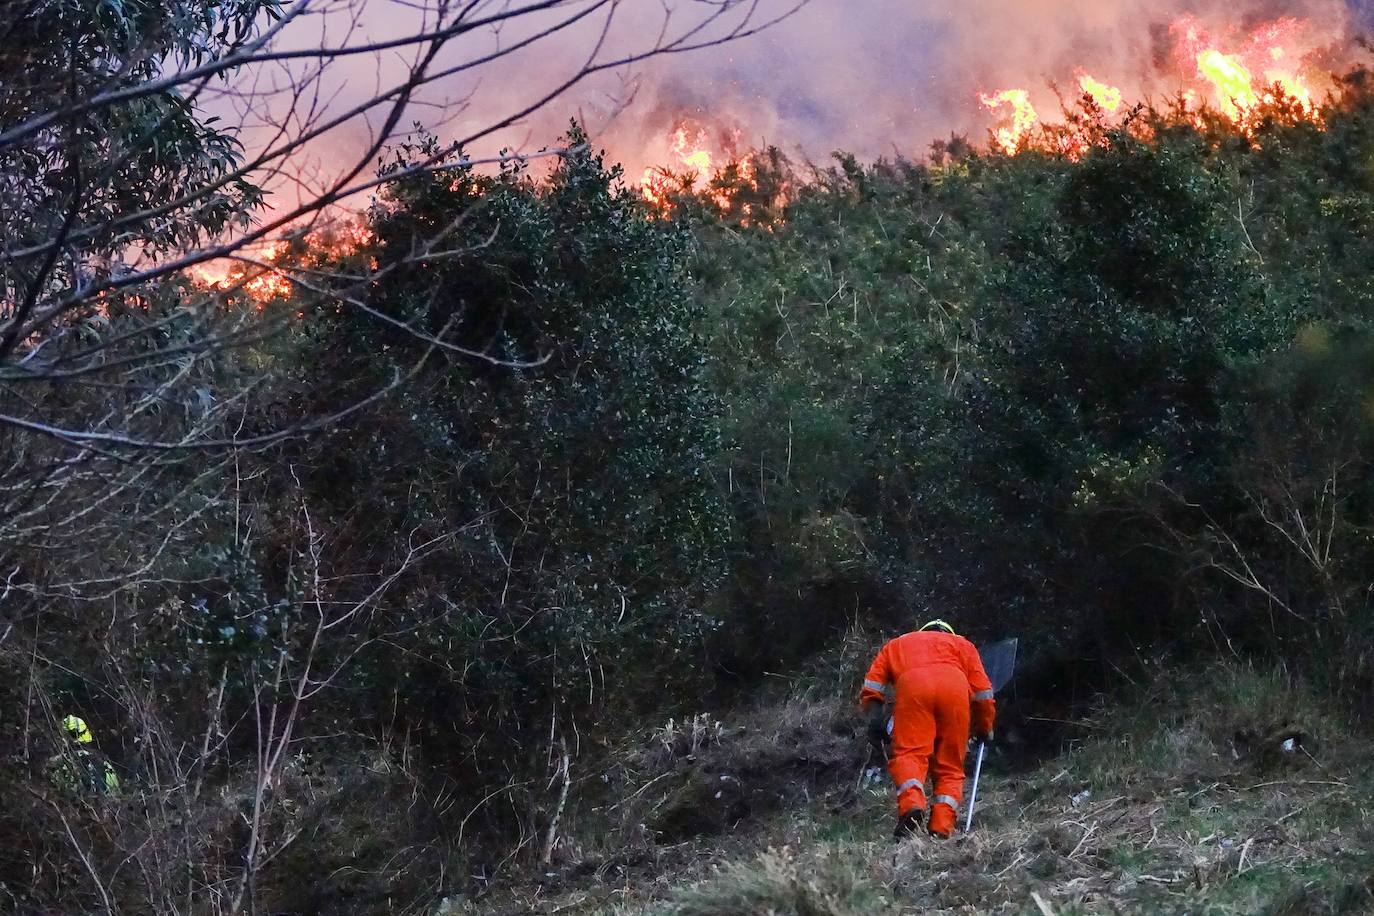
(253, 275)
(253, 280)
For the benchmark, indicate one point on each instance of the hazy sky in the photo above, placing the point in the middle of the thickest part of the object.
(874, 77)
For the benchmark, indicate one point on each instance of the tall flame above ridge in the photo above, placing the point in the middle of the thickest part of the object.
(1023, 116)
(1108, 98)
(892, 75)
(1242, 73)
(1234, 73)
(1227, 69)
(1235, 93)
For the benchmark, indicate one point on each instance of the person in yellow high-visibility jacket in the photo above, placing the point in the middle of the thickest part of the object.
(79, 769)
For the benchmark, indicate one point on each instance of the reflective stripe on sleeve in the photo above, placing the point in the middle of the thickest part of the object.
(948, 800)
(873, 685)
(983, 695)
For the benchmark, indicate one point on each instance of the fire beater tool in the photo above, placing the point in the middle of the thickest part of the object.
(999, 661)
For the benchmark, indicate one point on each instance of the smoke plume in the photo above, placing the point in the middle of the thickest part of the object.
(872, 77)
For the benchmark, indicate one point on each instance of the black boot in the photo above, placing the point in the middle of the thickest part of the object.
(907, 824)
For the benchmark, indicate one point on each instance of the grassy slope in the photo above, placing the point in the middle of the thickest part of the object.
(1178, 802)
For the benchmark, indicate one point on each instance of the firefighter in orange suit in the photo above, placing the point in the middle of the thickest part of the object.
(941, 693)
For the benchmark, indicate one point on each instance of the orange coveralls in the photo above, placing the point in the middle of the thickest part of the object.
(940, 684)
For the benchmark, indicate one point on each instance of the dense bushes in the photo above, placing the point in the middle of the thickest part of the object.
(555, 435)
(628, 464)
(572, 456)
(508, 554)
(1036, 394)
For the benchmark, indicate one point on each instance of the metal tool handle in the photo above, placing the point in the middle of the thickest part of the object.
(973, 796)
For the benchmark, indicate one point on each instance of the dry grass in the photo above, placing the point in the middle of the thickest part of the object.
(824, 883)
(1172, 805)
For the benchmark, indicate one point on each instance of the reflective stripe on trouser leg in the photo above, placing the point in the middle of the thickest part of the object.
(911, 795)
(947, 763)
(908, 772)
(948, 800)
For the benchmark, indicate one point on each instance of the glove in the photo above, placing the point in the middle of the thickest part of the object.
(877, 726)
(985, 738)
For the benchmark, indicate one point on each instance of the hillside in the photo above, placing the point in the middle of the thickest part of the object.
(1180, 798)
(520, 539)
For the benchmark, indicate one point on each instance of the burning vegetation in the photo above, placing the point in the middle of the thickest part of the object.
(1233, 74)
(716, 170)
(692, 170)
(250, 275)
(1229, 73)
(263, 275)
(538, 456)
(1225, 74)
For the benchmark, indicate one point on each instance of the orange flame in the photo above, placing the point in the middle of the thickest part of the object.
(1241, 75)
(1023, 117)
(1108, 98)
(1273, 50)
(252, 280)
(690, 148)
(263, 283)
(1230, 80)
